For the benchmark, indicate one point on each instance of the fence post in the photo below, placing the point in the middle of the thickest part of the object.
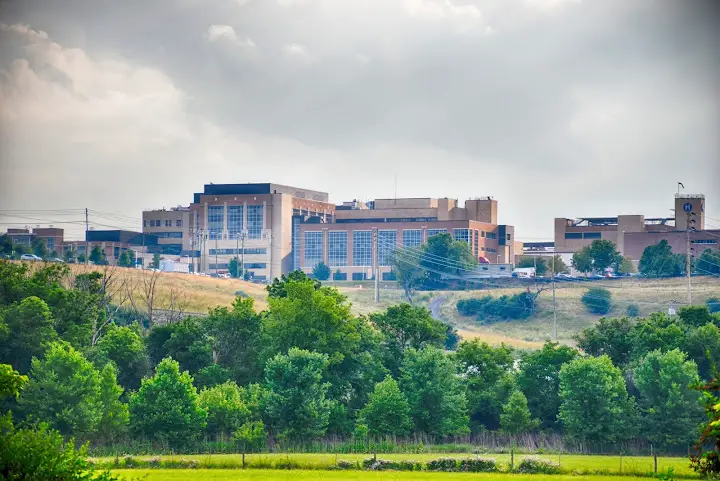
(621, 453)
(654, 455)
(512, 456)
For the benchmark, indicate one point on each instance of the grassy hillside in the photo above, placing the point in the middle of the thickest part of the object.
(202, 293)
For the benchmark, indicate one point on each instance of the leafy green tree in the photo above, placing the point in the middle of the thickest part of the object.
(387, 412)
(155, 262)
(212, 375)
(713, 304)
(69, 256)
(657, 331)
(226, 411)
(435, 395)
(250, 436)
(557, 264)
(538, 262)
(278, 288)
(234, 268)
(11, 381)
(595, 404)
(39, 248)
(407, 270)
(516, 418)
(581, 260)
(81, 258)
(604, 255)
(695, 316)
(610, 336)
(321, 272)
(539, 379)
(626, 266)
(123, 346)
(702, 345)
(29, 329)
(155, 342)
(321, 321)
(709, 262)
(669, 408)
(659, 261)
(441, 254)
(64, 391)
(486, 371)
(97, 256)
(236, 339)
(632, 310)
(597, 300)
(115, 415)
(39, 453)
(77, 314)
(296, 405)
(166, 407)
(190, 345)
(6, 245)
(127, 258)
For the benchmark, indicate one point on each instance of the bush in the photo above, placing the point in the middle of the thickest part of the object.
(713, 304)
(478, 465)
(443, 464)
(533, 465)
(346, 465)
(597, 300)
(385, 465)
(632, 310)
(488, 308)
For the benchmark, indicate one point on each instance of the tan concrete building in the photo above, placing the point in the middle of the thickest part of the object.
(172, 228)
(365, 234)
(632, 233)
(257, 223)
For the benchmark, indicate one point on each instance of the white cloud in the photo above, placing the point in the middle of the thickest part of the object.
(295, 50)
(217, 33)
(440, 9)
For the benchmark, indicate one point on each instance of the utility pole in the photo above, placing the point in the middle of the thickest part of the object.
(242, 261)
(687, 259)
(237, 261)
(553, 290)
(376, 258)
(216, 255)
(87, 245)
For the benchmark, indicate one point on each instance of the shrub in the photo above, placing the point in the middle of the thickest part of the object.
(443, 464)
(713, 304)
(385, 465)
(488, 308)
(597, 300)
(321, 272)
(533, 465)
(346, 465)
(632, 310)
(130, 462)
(478, 465)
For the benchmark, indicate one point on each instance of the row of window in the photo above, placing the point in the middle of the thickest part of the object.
(583, 235)
(386, 220)
(160, 223)
(235, 221)
(699, 241)
(248, 265)
(169, 235)
(233, 252)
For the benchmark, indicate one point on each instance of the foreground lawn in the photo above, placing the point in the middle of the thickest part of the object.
(267, 475)
(605, 465)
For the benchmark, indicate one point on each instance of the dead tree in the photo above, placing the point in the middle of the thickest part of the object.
(142, 294)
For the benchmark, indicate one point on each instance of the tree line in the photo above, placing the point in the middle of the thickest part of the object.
(307, 367)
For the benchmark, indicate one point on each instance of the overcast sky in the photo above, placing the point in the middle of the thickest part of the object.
(554, 107)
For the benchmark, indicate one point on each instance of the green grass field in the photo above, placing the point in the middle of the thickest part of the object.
(589, 465)
(267, 475)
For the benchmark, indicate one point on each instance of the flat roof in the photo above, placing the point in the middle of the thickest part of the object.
(260, 188)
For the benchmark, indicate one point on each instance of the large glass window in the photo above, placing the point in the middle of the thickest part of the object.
(432, 232)
(313, 248)
(337, 248)
(387, 243)
(475, 243)
(235, 220)
(296, 242)
(462, 235)
(362, 248)
(169, 235)
(216, 221)
(255, 221)
(411, 237)
(50, 243)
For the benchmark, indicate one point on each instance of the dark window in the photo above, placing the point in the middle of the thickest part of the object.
(145, 223)
(389, 276)
(573, 235)
(592, 235)
(502, 268)
(339, 276)
(178, 223)
(168, 223)
(169, 235)
(255, 265)
(116, 252)
(358, 276)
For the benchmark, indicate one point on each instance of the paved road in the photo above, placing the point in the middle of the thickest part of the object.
(435, 307)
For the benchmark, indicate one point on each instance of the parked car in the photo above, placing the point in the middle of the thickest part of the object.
(30, 257)
(55, 259)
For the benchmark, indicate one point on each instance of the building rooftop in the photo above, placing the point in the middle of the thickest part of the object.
(258, 189)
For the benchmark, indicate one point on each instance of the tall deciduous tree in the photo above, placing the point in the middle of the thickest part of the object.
(610, 336)
(437, 401)
(669, 408)
(64, 391)
(296, 404)
(539, 379)
(236, 338)
(659, 261)
(581, 260)
(444, 255)
(166, 407)
(97, 256)
(516, 418)
(29, 328)
(595, 404)
(123, 346)
(225, 408)
(604, 255)
(115, 415)
(387, 411)
(538, 262)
